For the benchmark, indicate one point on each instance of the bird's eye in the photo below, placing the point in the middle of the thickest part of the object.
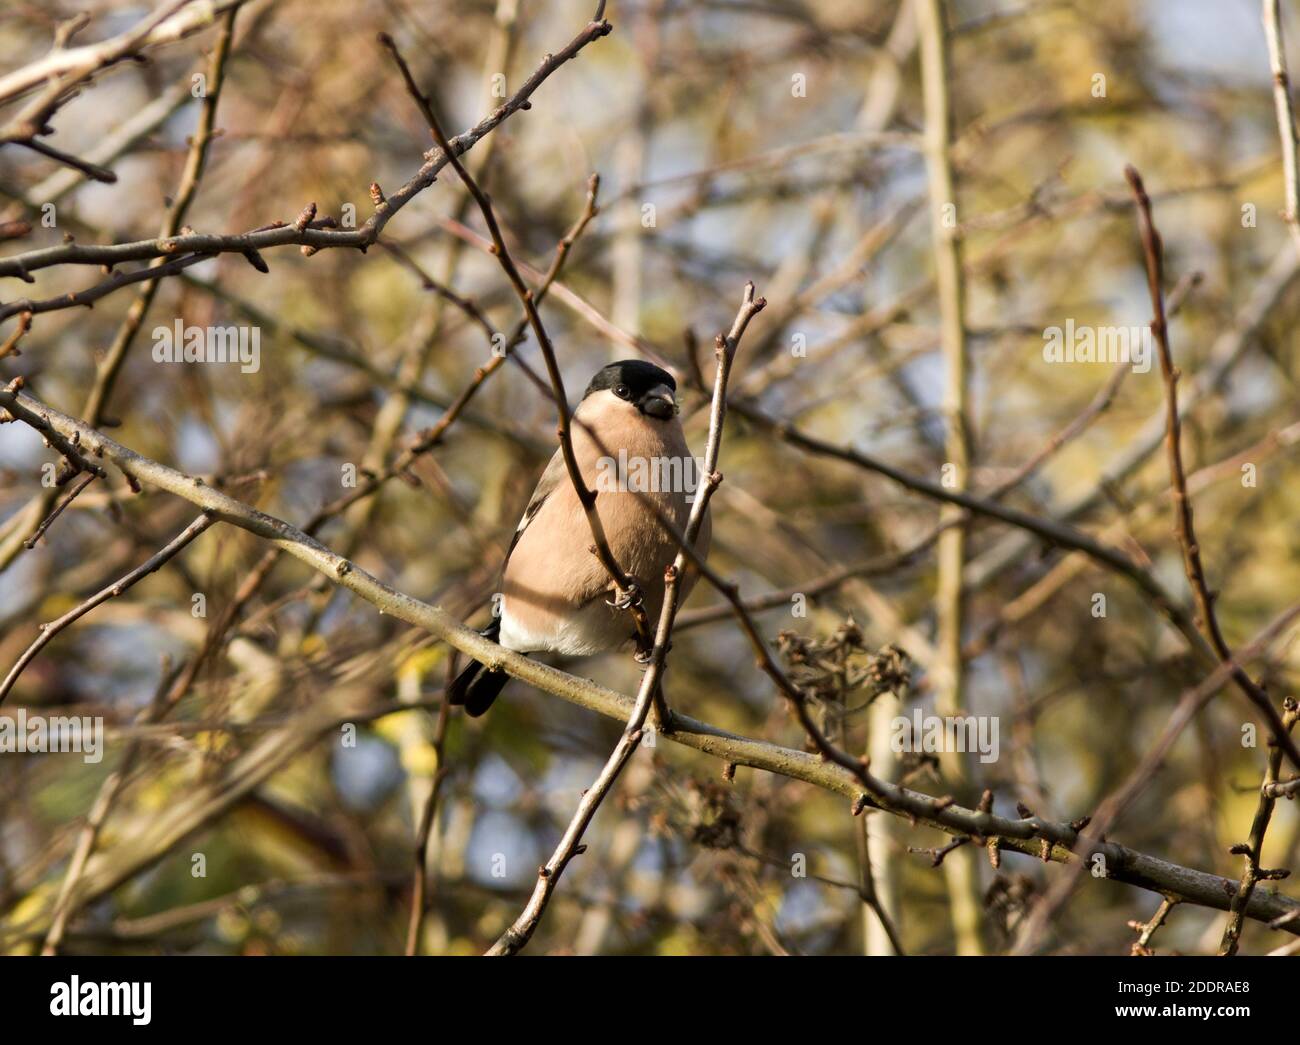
(622, 391)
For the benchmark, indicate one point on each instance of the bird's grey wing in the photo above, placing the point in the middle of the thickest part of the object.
(554, 474)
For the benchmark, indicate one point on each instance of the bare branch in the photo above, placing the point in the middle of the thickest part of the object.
(520, 932)
(1025, 835)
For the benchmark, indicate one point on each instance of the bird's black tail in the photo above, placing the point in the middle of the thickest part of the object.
(476, 687)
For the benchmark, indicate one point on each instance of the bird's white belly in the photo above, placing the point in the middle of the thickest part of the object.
(594, 628)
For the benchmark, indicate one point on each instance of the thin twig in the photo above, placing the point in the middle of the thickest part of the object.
(950, 603)
(628, 596)
(1253, 849)
(1091, 839)
(1286, 130)
(519, 933)
(64, 905)
(1184, 526)
(1047, 529)
(86, 479)
(155, 561)
(91, 170)
(318, 234)
(1146, 930)
(420, 874)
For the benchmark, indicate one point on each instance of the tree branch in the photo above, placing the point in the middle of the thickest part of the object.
(520, 932)
(1030, 835)
(1184, 526)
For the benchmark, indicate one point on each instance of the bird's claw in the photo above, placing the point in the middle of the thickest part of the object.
(646, 655)
(625, 600)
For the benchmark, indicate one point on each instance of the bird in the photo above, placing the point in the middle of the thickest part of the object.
(556, 595)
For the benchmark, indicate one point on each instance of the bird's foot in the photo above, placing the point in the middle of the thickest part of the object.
(625, 600)
(644, 656)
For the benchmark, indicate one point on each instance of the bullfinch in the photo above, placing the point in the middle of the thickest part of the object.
(555, 593)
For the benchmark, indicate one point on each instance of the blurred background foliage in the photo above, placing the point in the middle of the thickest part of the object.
(718, 164)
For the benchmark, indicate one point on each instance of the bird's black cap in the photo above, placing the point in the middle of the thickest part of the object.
(638, 375)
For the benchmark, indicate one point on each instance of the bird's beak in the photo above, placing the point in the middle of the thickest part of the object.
(659, 402)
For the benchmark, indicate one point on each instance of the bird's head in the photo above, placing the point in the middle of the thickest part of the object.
(644, 386)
